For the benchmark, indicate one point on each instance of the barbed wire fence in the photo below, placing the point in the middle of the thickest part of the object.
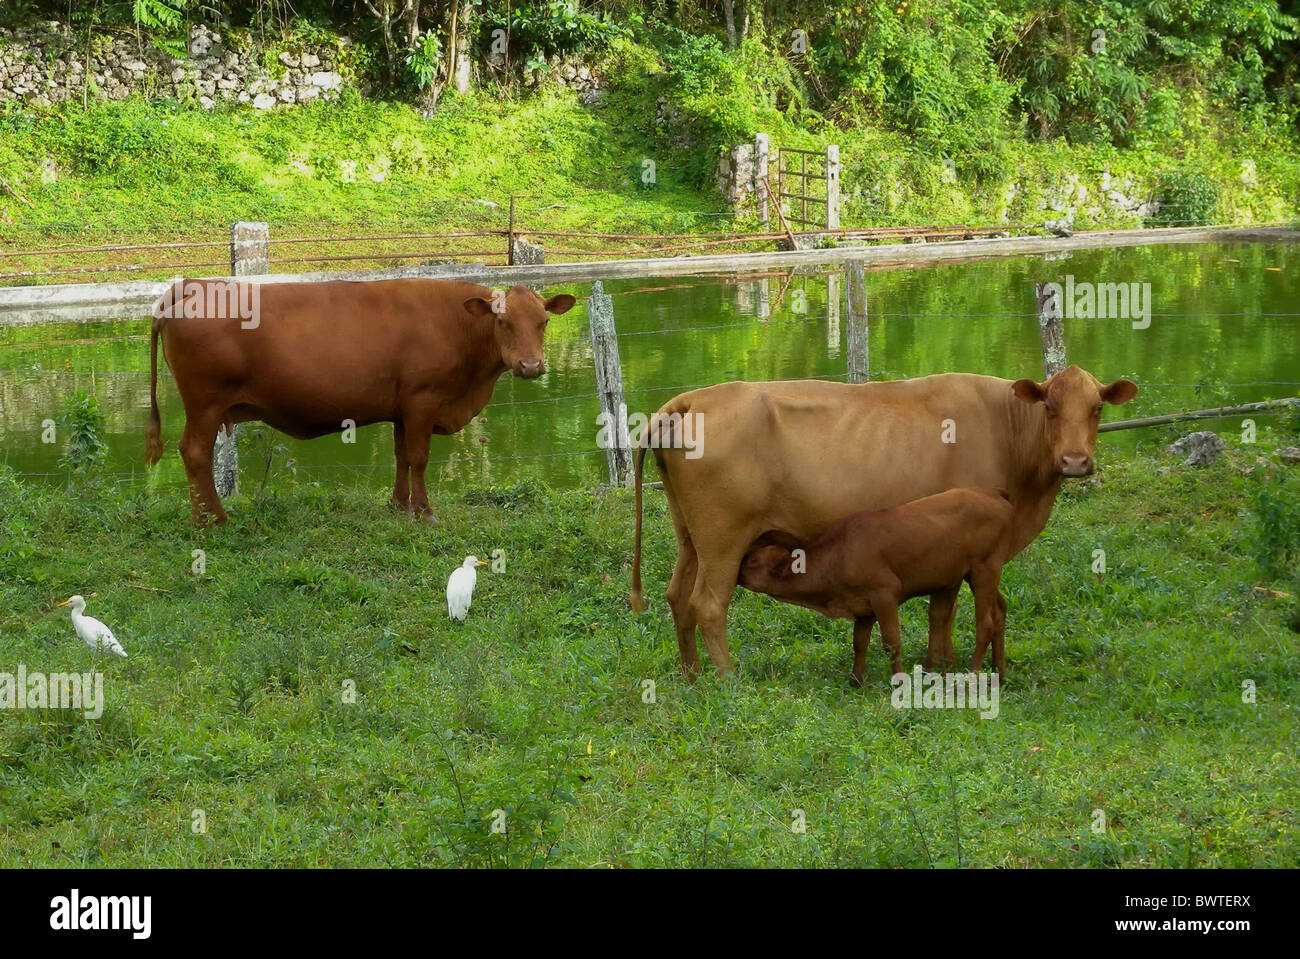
(612, 404)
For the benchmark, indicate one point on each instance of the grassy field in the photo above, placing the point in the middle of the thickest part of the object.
(1124, 695)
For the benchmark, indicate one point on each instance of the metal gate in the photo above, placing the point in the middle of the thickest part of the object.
(793, 174)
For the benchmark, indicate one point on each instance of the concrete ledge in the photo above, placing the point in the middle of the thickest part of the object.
(86, 302)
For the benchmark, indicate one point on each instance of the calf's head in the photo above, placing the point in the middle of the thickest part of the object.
(767, 569)
(1072, 401)
(518, 325)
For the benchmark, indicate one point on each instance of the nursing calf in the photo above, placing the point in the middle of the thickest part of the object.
(863, 567)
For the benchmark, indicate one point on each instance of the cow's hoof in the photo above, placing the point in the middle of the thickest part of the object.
(426, 516)
(855, 681)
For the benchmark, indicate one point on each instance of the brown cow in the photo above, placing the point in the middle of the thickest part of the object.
(795, 457)
(422, 354)
(863, 567)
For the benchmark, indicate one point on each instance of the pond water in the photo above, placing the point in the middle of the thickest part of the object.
(1225, 327)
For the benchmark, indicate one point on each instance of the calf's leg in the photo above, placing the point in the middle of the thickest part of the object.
(885, 607)
(861, 638)
(939, 653)
(1000, 637)
(989, 606)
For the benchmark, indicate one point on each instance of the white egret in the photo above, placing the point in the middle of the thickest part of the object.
(460, 587)
(92, 632)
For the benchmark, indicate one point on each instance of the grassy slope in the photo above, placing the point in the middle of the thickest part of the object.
(1123, 696)
(140, 171)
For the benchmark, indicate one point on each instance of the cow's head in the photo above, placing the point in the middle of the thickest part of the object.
(1072, 400)
(519, 323)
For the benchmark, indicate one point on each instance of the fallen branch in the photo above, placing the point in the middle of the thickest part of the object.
(4, 184)
(1199, 414)
(148, 589)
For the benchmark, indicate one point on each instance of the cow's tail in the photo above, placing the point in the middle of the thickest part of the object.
(153, 447)
(636, 599)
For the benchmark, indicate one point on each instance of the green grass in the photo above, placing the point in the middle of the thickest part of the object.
(160, 168)
(1123, 695)
(152, 171)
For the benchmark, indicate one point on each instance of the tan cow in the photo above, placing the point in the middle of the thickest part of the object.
(781, 462)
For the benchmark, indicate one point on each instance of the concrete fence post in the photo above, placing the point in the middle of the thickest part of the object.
(858, 360)
(1050, 328)
(832, 311)
(833, 187)
(761, 148)
(609, 384)
(250, 249)
(250, 252)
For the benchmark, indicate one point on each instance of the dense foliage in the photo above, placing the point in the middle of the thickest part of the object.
(957, 74)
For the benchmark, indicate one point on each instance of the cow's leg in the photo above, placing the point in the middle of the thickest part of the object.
(682, 584)
(196, 444)
(715, 582)
(886, 609)
(418, 430)
(943, 610)
(401, 486)
(679, 601)
(861, 639)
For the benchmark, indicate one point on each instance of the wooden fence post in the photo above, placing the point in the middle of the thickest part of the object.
(832, 187)
(761, 147)
(609, 383)
(250, 253)
(858, 360)
(510, 235)
(1050, 328)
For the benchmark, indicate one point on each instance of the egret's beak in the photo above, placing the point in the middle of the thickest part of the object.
(479, 562)
(64, 603)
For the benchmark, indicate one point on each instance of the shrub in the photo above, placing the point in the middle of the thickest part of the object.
(84, 421)
(1184, 199)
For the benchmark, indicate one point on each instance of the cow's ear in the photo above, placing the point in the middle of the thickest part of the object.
(1121, 391)
(477, 306)
(1029, 391)
(562, 303)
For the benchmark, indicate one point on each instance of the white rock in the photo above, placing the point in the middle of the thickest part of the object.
(263, 101)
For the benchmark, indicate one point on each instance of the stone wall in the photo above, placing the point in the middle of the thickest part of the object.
(45, 64)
